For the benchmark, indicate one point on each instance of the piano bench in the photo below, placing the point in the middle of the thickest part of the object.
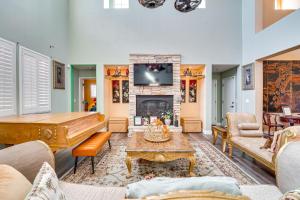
(91, 147)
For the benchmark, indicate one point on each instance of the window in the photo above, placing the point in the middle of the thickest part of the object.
(8, 75)
(93, 91)
(287, 4)
(202, 4)
(35, 82)
(118, 4)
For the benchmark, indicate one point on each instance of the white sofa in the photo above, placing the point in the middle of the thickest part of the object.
(28, 157)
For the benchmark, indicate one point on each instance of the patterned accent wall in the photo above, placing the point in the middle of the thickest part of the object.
(281, 85)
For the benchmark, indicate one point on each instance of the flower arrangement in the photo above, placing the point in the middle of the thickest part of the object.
(167, 117)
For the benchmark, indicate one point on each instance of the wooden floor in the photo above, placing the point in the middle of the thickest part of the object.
(65, 162)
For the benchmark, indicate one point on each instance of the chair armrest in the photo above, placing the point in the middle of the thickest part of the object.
(28, 158)
(289, 134)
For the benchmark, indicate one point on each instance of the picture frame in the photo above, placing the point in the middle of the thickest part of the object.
(137, 120)
(248, 77)
(153, 119)
(116, 91)
(183, 90)
(286, 111)
(125, 91)
(193, 91)
(59, 81)
(145, 121)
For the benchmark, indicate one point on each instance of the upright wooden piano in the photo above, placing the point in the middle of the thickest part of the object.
(58, 130)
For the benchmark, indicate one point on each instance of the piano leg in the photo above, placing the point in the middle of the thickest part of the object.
(76, 160)
(93, 169)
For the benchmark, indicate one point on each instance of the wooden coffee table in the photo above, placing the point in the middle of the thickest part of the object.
(177, 147)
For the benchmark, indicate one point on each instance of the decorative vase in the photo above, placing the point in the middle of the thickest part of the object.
(168, 122)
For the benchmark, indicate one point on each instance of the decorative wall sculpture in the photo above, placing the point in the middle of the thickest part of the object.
(193, 91)
(281, 85)
(125, 91)
(183, 90)
(115, 91)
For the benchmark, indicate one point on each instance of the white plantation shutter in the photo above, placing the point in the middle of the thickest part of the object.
(8, 105)
(35, 82)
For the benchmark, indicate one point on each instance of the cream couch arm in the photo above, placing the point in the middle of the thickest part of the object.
(288, 167)
(27, 158)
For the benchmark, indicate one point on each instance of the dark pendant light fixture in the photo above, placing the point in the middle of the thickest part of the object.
(152, 3)
(186, 5)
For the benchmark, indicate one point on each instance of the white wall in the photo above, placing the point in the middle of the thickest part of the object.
(205, 36)
(38, 24)
(278, 37)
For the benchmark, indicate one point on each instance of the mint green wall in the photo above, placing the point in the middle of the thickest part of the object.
(37, 24)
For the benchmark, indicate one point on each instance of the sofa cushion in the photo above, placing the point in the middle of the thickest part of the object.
(251, 133)
(261, 192)
(13, 185)
(46, 185)
(248, 126)
(164, 185)
(253, 145)
(86, 192)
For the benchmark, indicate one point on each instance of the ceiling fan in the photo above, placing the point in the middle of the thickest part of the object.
(186, 5)
(152, 3)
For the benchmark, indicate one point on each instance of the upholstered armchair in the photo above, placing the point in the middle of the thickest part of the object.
(253, 145)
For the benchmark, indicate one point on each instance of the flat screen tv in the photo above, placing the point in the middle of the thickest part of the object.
(153, 74)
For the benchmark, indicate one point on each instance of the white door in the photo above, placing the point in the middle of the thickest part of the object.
(214, 101)
(228, 96)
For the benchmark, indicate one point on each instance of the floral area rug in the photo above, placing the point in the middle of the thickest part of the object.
(111, 170)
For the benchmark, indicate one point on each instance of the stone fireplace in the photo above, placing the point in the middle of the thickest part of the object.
(142, 99)
(153, 105)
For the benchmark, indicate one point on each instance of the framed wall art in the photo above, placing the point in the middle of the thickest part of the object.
(115, 91)
(58, 75)
(193, 91)
(137, 120)
(248, 79)
(125, 91)
(183, 90)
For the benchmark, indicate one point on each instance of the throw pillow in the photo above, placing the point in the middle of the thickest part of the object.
(251, 133)
(163, 185)
(291, 195)
(276, 140)
(46, 185)
(13, 185)
(248, 126)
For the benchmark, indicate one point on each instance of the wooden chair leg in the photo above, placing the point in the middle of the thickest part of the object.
(93, 169)
(109, 144)
(76, 160)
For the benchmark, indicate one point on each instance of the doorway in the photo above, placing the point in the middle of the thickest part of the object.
(228, 96)
(87, 94)
(224, 91)
(83, 88)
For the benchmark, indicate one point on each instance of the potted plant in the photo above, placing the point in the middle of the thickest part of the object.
(167, 116)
